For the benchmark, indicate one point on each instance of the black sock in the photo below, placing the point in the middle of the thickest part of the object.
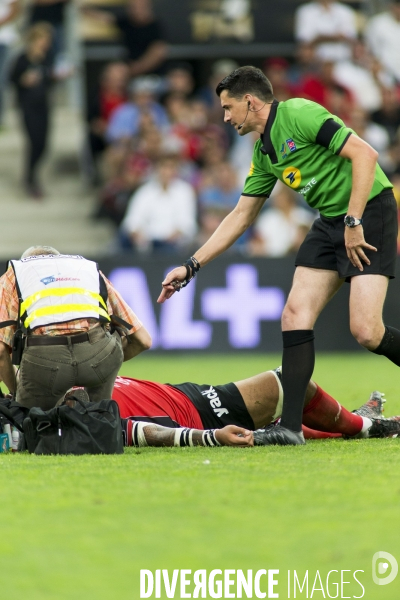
(389, 346)
(297, 367)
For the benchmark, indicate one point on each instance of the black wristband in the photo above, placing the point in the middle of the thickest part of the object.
(192, 266)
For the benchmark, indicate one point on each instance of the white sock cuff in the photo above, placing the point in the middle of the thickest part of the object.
(367, 424)
(138, 437)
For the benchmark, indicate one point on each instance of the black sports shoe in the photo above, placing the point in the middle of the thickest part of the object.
(382, 428)
(278, 436)
(373, 409)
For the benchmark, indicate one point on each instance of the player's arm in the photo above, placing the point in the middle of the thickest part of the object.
(150, 434)
(231, 228)
(364, 160)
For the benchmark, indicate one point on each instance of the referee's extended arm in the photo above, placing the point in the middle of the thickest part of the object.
(231, 228)
(364, 160)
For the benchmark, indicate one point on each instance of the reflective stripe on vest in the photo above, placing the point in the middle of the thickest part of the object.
(58, 288)
(65, 308)
(59, 292)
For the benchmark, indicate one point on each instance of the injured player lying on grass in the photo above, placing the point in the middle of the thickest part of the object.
(236, 414)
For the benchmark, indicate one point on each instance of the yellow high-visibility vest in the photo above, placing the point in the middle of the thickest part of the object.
(59, 288)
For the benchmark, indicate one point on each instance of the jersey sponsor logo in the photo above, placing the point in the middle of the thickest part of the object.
(291, 145)
(292, 177)
(308, 186)
(52, 279)
(283, 151)
(215, 402)
(251, 170)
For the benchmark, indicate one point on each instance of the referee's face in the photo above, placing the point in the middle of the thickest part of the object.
(236, 113)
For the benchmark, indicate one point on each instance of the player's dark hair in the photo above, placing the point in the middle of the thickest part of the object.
(246, 80)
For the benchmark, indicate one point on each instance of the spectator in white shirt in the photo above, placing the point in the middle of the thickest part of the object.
(364, 77)
(9, 10)
(330, 26)
(162, 213)
(282, 228)
(383, 38)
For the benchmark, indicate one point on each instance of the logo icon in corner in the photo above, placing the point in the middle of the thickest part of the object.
(291, 145)
(47, 280)
(283, 151)
(380, 565)
(292, 177)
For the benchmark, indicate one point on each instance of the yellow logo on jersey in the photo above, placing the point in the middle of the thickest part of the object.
(292, 177)
(251, 170)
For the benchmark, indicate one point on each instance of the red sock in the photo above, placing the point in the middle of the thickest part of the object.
(326, 414)
(312, 434)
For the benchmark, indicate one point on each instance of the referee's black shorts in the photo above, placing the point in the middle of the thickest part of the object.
(324, 248)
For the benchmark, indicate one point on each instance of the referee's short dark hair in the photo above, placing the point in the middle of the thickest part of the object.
(246, 80)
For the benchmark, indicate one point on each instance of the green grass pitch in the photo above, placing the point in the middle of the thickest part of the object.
(82, 527)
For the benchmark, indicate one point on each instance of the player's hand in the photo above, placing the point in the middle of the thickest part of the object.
(234, 436)
(171, 283)
(355, 245)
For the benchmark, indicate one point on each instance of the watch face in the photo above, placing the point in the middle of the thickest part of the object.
(349, 221)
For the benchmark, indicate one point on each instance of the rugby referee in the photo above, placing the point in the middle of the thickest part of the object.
(354, 240)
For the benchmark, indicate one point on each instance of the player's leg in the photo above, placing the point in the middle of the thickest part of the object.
(367, 296)
(314, 434)
(251, 403)
(324, 413)
(312, 289)
(263, 397)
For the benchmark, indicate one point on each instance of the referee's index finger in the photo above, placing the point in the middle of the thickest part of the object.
(166, 293)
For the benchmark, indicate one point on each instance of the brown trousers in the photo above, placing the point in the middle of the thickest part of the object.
(48, 372)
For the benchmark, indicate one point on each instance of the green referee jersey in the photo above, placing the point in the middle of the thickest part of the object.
(300, 146)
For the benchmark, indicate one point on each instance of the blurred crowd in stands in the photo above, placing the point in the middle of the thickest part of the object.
(165, 167)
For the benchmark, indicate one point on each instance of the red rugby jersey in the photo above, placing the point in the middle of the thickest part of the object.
(140, 398)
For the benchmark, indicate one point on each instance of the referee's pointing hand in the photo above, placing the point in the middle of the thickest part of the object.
(355, 244)
(171, 283)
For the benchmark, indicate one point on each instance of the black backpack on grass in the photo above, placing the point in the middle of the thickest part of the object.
(11, 412)
(84, 428)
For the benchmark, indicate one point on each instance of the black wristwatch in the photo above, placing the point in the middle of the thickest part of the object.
(350, 221)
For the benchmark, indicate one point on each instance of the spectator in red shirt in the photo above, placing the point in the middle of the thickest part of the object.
(277, 71)
(324, 89)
